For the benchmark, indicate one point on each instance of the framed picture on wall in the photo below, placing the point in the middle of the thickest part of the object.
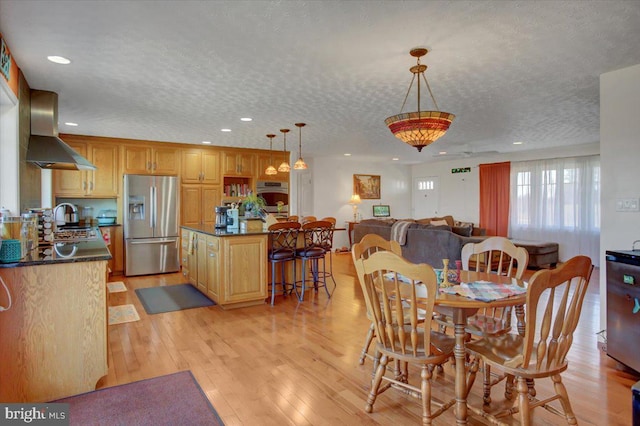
(367, 186)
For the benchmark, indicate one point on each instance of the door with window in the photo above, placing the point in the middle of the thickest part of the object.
(426, 196)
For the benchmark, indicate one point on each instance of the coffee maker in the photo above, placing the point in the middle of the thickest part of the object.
(221, 216)
(232, 219)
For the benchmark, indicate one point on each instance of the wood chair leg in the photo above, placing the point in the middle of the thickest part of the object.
(367, 343)
(523, 402)
(486, 384)
(564, 399)
(375, 383)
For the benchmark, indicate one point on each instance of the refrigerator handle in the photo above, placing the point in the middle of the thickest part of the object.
(152, 206)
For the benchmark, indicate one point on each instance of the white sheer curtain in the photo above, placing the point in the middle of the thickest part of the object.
(558, 200)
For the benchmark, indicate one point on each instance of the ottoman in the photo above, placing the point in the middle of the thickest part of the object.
(540, 254)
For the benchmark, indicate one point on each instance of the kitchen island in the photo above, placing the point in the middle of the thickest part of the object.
(53, 337)
(229, 267)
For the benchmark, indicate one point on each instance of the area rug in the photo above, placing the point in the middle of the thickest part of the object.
(122, 313)
(174, 399)
(156, 300)
(116, 287)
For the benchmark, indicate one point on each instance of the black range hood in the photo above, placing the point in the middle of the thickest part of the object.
(46, 150)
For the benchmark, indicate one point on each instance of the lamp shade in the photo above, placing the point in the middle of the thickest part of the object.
(419, 128)
(355, 199)
(284, 166)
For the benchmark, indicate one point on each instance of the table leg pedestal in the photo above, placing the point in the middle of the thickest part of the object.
(460, 320)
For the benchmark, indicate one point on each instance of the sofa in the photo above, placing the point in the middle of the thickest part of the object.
(427, 240)
(430, 240)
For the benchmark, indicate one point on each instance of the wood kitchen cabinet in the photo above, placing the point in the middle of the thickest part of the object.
(150, 159)
(263, 161)
(243, 270)
(116, 248)
(197, 204)
(213, 268)
(184, 253)
(54, 338)
(234, 267)
(201, 166)
(201, 254)
(102, 182)
(238, 163)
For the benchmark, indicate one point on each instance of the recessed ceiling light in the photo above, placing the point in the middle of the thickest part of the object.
(246, 119)
(71, 124)
(206, 142)
(442, 152)
(59, 60)
(518, 143)
(225, 130)
(346, 154)
(395, 159)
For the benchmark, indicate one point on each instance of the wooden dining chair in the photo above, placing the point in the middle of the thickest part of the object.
(292, 218)
(552, 311)
(283, 238)
(368, 245)
(307, 219)
(389, 283)
(500, 256)
(316, 237)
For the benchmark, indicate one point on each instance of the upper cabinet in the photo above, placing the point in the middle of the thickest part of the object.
(150, 159)
(238, 163)
(200, 166)
(263, 161)
(102, 182)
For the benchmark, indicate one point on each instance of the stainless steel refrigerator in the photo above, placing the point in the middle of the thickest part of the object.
(150, 224)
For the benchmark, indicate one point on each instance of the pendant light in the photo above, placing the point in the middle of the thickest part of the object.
(284, 167)
(300, 164)
(419, 128)
(270, 170)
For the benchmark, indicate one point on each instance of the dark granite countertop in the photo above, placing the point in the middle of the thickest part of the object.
(221, 232)
(64, 252)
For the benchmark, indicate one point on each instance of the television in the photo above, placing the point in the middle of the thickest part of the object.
(381, 210)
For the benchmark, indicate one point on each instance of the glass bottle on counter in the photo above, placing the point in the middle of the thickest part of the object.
(29, 232)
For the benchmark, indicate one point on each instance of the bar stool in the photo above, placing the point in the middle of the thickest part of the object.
(316, 235)
(328, 246)
(283, 238)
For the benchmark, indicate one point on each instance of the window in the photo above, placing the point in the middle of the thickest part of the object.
(558, 200)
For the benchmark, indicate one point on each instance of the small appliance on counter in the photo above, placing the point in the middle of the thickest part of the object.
(232, 219)
(221, 216)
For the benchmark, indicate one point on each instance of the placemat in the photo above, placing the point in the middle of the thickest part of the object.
(485, 291)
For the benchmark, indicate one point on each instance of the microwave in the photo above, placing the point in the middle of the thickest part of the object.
(272, 192)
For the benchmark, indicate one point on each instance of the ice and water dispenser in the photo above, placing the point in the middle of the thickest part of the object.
(136, 208)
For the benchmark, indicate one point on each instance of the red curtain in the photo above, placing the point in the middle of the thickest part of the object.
(494, 198)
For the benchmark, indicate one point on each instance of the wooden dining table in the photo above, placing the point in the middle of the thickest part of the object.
(459, 308)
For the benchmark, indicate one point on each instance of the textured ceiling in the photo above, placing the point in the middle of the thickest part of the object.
(180, 71)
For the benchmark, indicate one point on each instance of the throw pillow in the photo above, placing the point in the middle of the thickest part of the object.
(460, 223)
(465, 231)
(438, 222)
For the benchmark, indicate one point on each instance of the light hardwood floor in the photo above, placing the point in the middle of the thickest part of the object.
(297, 363)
